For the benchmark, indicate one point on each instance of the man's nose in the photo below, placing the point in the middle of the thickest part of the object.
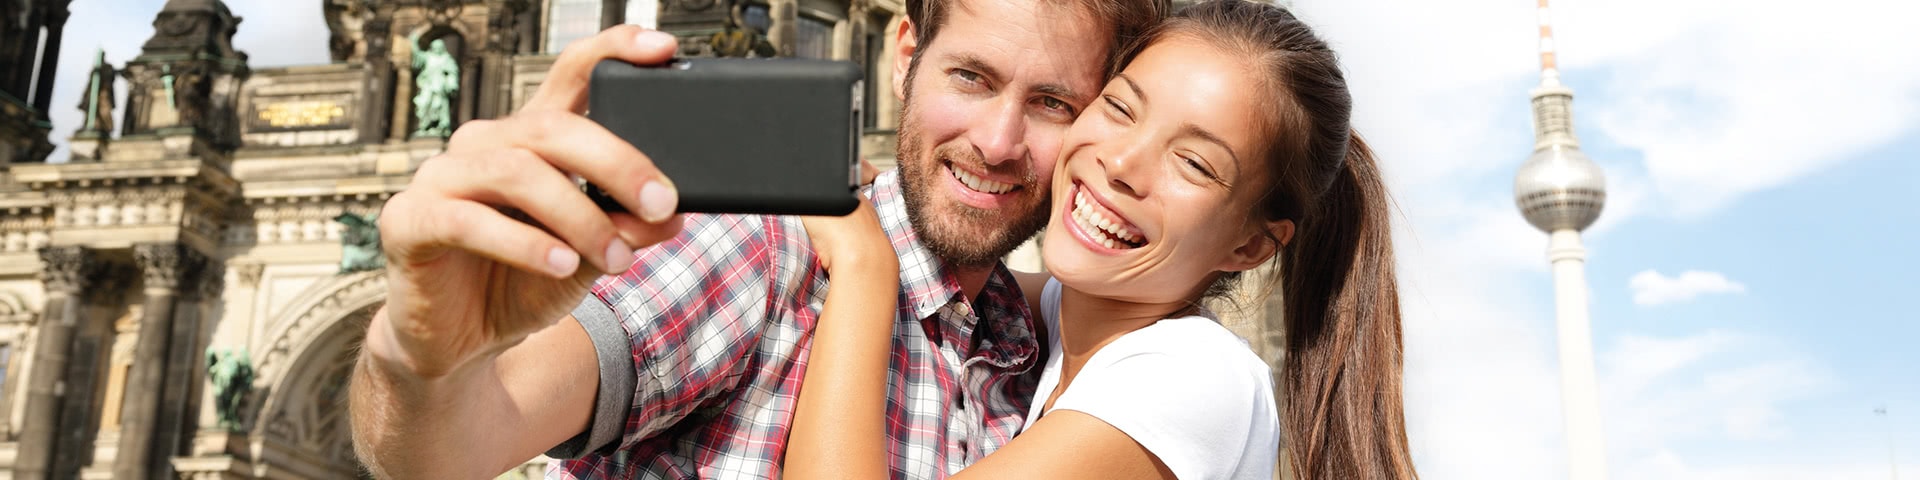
(1000, 133)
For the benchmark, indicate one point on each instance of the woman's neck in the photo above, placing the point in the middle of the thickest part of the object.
(1089, 322)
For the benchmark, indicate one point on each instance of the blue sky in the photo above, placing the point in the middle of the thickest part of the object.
(1770, 147)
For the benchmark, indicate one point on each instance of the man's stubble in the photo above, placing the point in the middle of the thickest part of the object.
(961, 235)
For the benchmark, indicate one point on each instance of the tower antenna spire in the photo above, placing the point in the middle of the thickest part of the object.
(1549, 64)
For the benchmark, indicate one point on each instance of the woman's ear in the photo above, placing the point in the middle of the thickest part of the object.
(1260, 246)
(906, 44)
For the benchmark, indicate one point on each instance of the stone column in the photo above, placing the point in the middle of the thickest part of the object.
(68, 271)
(379, 82)
(783, 32)
(857, 36)
(164, 267)
(612, 12)
(184, 368)
(56, 23)
(402, 102)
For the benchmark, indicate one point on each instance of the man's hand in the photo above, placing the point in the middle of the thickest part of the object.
(487, 245)
(490, 245)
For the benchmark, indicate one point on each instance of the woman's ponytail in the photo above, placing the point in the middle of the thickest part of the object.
(1341, 377)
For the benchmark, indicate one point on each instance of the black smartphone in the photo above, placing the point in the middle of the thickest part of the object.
(755, 136)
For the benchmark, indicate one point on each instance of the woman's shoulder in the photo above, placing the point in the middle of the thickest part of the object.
(1192, 339)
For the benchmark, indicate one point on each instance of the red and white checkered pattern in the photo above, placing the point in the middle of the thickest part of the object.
(720, 319)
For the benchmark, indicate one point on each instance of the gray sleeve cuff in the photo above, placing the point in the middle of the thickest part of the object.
(615, 394)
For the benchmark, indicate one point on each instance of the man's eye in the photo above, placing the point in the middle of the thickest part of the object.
(967, 77)
(1055, 104)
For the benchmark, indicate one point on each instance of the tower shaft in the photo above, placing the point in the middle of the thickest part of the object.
(1586, 444)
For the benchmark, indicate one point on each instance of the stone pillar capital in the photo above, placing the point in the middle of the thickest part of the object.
(165, 265)
(68, 269)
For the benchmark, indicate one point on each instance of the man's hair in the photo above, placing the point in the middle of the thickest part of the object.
(1129, 20)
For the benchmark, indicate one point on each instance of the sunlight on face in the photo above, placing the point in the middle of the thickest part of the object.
(1160, 174)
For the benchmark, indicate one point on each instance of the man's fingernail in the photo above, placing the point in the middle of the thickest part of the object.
(562, 261)
(658, 201)
(652, 39)
(619, 256)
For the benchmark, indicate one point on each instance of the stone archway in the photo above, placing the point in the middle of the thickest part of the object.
(301, 426)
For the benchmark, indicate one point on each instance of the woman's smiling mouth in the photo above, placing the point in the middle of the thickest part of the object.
(1101, 225)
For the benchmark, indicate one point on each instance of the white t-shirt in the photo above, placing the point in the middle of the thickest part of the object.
(1187, 389)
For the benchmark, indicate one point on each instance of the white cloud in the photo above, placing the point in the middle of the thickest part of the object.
(1651, 288)
(1720, 98)
(1724, 104)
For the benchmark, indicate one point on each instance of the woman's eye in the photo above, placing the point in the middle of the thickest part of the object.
(1117, 107)
(1197, 166)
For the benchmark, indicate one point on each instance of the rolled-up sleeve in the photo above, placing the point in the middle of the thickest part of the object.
(677, 329)
(615, 392)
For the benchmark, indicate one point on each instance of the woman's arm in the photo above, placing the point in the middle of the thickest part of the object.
(1069, 444)
(839, 427)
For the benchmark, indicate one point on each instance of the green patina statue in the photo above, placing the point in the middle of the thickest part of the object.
(436, 78)
(232, 375)
(360, 244)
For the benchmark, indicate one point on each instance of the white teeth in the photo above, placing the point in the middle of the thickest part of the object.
(980, 184)
(1091, 220)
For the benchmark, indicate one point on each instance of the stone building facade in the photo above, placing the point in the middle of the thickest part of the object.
(200, 232)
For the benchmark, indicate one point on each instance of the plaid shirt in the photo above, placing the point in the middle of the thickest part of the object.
(720, 318)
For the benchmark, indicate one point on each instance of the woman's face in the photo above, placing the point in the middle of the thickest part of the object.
(1159, 176)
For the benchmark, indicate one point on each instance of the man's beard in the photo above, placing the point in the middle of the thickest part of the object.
(961, 235)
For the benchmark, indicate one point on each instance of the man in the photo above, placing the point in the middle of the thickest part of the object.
(687, 362)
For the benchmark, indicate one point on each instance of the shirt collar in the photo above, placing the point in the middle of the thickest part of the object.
(927, 285)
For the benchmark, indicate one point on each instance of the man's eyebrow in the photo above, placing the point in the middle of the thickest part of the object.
(973, 62)
(977, 65)
(1062, 91)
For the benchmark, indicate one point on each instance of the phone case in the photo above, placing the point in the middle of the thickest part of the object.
(759, 136)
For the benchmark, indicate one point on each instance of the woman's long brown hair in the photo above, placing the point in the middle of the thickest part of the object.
(1340, 383)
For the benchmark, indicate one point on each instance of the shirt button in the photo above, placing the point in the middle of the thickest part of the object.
(963, 308)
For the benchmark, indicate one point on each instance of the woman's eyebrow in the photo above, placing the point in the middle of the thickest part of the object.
(1137, 92)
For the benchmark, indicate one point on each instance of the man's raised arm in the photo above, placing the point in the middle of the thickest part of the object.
(474, 364)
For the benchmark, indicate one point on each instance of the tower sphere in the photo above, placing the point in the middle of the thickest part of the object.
(1559, 188)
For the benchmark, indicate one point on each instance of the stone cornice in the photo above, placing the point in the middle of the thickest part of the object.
(107, 174)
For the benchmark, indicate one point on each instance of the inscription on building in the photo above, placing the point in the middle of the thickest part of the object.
(300, 114)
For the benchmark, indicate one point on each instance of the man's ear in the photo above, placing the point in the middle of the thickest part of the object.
(906, 44)
(1259, 247)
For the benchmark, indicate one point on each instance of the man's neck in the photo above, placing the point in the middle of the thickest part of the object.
(972, 279)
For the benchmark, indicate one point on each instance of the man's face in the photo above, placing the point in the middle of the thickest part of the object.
(984, 113)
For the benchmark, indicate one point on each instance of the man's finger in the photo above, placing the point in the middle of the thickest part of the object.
(566, 84)
(574, 144)
(517, 179)
(446, 223)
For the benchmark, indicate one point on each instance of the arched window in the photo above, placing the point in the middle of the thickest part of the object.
(569, 20)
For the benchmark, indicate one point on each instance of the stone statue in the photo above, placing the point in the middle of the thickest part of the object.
(740, 39)
(360, 244)
(232, 375)
(436, 79)
(99, 100)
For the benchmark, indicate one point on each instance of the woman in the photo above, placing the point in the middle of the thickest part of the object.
(1224, 144)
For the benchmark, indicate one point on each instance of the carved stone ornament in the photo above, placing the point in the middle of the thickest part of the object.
(249, 273)
(165, 264)
(68, 268)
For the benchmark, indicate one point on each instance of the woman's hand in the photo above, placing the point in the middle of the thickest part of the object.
(853, 243)
(839, 427)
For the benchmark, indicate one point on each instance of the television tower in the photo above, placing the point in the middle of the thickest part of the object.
(1561, 192)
